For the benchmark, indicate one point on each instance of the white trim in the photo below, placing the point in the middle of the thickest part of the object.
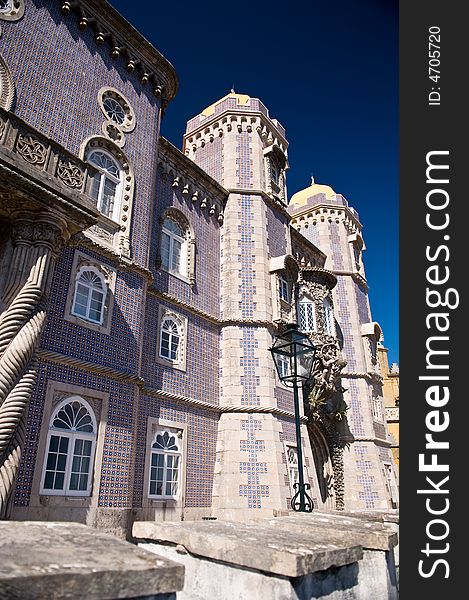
(72, 436)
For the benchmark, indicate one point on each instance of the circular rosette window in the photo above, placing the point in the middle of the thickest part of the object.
(120, 117)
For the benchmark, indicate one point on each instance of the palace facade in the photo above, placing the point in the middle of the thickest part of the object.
(142, 287)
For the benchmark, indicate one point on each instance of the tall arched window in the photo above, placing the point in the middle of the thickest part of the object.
(307, 314)
(173, 247)
(165, 465)
(105, 188)
(170, 339)
(90, 295)
(71, 441)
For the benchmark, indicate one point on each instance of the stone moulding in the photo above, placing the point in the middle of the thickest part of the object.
(57, 357)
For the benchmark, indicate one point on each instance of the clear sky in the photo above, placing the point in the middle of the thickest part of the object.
(328, 71)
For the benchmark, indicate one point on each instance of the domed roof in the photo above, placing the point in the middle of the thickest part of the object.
(242, 99)
(301, 197)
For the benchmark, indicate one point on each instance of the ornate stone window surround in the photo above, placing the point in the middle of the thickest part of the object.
(73, 435)
(113, 232)
(82, 262)
(356, 246)
(56, 393)
(321, 298)
(371, 332)
(155, 426)
(120, 116)
(275, 165)
(11, 10)
(188, 250)
(284, 274)
(181, 322)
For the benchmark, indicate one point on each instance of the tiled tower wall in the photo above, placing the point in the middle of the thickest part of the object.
(58, 70)
(366, 486)
(251, 469)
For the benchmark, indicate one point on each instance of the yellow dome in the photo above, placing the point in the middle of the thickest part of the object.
(302, 196)
(242, 99)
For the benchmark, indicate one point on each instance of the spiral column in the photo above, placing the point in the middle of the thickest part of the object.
(36, 240)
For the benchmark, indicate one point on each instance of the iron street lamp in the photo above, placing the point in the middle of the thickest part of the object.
(293, 354)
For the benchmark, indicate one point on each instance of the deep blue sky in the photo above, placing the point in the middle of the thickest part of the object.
(328, 71)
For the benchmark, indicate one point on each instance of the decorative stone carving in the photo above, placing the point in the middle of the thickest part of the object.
(70, 174)
(11, 10)
(101, 233)
(31, 150)
(36, 237)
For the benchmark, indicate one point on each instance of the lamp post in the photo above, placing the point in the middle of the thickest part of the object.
(293, 354)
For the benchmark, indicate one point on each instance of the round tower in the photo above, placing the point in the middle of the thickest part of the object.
(326, 219)
(239, 145)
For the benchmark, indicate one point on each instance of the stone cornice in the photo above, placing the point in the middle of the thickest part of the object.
(354, 275)
(125, 41)
(124, 264)
(269, 199)
(252, 119)
(86, 365)
(194, 182)
(57, 357)
(375, 440)
(186, 306)
(323, 210)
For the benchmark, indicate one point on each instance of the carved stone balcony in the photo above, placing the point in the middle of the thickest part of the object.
(38, 174)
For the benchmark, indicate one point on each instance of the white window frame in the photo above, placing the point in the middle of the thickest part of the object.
(72, 435)
(284, 290)
(304, 301)
(114, 212)
(174, 237)
(171, 319)
(377, 408)
(166, 454)
(329, 324)
(104, 293)
(292, 468)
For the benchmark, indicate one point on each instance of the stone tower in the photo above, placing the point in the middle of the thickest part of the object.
(239, 145)
(327, 220)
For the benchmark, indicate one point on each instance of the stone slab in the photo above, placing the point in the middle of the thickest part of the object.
(253, 545)
(68, 560)
(371, 535)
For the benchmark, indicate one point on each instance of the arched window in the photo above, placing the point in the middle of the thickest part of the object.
(165, 466)
(307, 314)
(90, 295)
(173, 247)
(170, 339)
(71, 442)
(329, 325)
(106, 185)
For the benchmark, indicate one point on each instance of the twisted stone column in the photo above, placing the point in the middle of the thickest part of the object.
(36, 238)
